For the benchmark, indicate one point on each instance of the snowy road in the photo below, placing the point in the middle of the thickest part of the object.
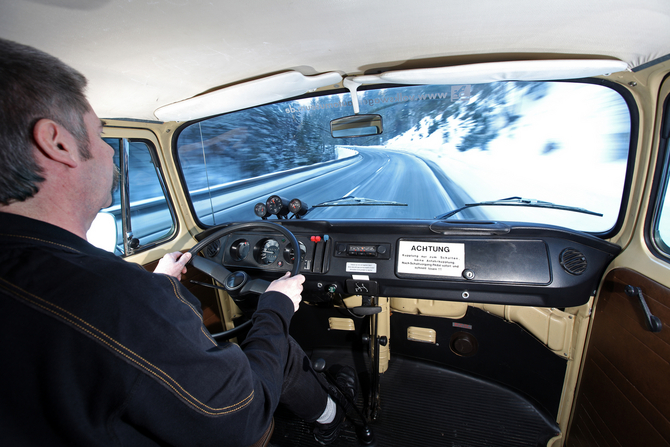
(377, 174)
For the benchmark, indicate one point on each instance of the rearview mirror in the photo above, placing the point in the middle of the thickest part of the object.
(356, 126)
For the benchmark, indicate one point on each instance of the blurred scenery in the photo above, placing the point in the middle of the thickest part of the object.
(441, 147)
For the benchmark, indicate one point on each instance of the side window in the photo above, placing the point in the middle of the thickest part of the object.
(661, 221)
(140, 206)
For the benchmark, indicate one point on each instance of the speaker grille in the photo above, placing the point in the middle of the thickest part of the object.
(573, 261)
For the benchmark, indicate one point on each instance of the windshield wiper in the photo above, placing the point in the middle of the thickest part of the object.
(519, 201)
(358, 201)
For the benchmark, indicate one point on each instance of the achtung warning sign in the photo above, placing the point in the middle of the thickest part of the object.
(431, 258)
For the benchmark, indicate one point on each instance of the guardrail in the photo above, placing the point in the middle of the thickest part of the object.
(151, 218)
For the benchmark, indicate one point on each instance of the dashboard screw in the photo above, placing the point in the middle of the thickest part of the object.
(468, 274)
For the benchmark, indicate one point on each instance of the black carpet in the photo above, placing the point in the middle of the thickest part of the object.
(423, 405)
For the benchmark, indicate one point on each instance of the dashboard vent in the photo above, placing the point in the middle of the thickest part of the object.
(573, 261)
(213, 249)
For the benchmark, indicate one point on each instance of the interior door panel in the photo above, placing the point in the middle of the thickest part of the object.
(623, 396)
(211, 313)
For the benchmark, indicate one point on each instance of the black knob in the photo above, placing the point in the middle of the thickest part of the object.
(319, 365)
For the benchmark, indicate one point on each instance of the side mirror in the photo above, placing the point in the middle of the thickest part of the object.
(356, 126)
(102, 233)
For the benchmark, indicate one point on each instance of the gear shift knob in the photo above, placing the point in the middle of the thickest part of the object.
(319, 365)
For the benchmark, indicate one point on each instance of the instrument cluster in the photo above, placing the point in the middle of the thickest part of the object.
(262, 250)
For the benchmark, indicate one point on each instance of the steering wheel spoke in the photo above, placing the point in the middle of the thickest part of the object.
(256, 285)
(211, 268)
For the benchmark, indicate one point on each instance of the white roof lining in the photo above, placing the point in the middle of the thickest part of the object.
(140, 56)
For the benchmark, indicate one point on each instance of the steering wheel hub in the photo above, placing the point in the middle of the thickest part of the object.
(236, 280)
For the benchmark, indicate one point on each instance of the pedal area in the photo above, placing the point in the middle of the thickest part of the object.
(424, 405)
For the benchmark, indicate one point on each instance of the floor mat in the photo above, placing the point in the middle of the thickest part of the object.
(424, 405)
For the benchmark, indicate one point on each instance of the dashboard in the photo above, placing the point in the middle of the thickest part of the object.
(479, 262)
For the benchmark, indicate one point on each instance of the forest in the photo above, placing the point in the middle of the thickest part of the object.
(284, 135)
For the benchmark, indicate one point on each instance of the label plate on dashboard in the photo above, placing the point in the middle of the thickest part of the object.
(361, 267)
(431, 258)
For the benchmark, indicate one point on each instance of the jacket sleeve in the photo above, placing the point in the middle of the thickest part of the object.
(197, 392)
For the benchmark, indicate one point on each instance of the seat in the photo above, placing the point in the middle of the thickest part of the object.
(264, 441)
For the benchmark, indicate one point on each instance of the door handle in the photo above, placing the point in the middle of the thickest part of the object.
(653, 322)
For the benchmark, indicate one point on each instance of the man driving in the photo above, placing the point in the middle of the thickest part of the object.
(96, 350)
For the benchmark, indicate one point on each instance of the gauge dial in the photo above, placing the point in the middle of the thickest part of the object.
(269, 252)
(297, 207)
(289, 253)
(240, 249)
(261, 210)
(277, 205)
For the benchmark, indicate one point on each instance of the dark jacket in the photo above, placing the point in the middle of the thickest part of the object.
(97, 351)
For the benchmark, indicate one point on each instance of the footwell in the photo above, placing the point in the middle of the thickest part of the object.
(424, 405)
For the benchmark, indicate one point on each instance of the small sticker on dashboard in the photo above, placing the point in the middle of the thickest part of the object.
(361, 267)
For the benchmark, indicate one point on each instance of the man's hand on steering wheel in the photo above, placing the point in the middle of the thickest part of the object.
(290, 286)
(238, 283)
(173, 264)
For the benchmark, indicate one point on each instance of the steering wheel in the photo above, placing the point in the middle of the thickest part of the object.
(239, 282)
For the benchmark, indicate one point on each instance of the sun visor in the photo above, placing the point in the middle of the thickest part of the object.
(245, 95)
(537, 70)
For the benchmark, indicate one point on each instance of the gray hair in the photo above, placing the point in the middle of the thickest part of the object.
(33, 86)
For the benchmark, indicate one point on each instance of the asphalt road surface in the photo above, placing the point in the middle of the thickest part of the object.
(373, 173)
(379, 174)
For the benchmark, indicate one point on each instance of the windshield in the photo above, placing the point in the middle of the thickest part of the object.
(441, 148)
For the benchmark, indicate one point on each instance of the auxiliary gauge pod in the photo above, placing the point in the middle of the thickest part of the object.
(280, 207)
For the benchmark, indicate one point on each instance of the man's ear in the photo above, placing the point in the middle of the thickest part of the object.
(56, 143)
